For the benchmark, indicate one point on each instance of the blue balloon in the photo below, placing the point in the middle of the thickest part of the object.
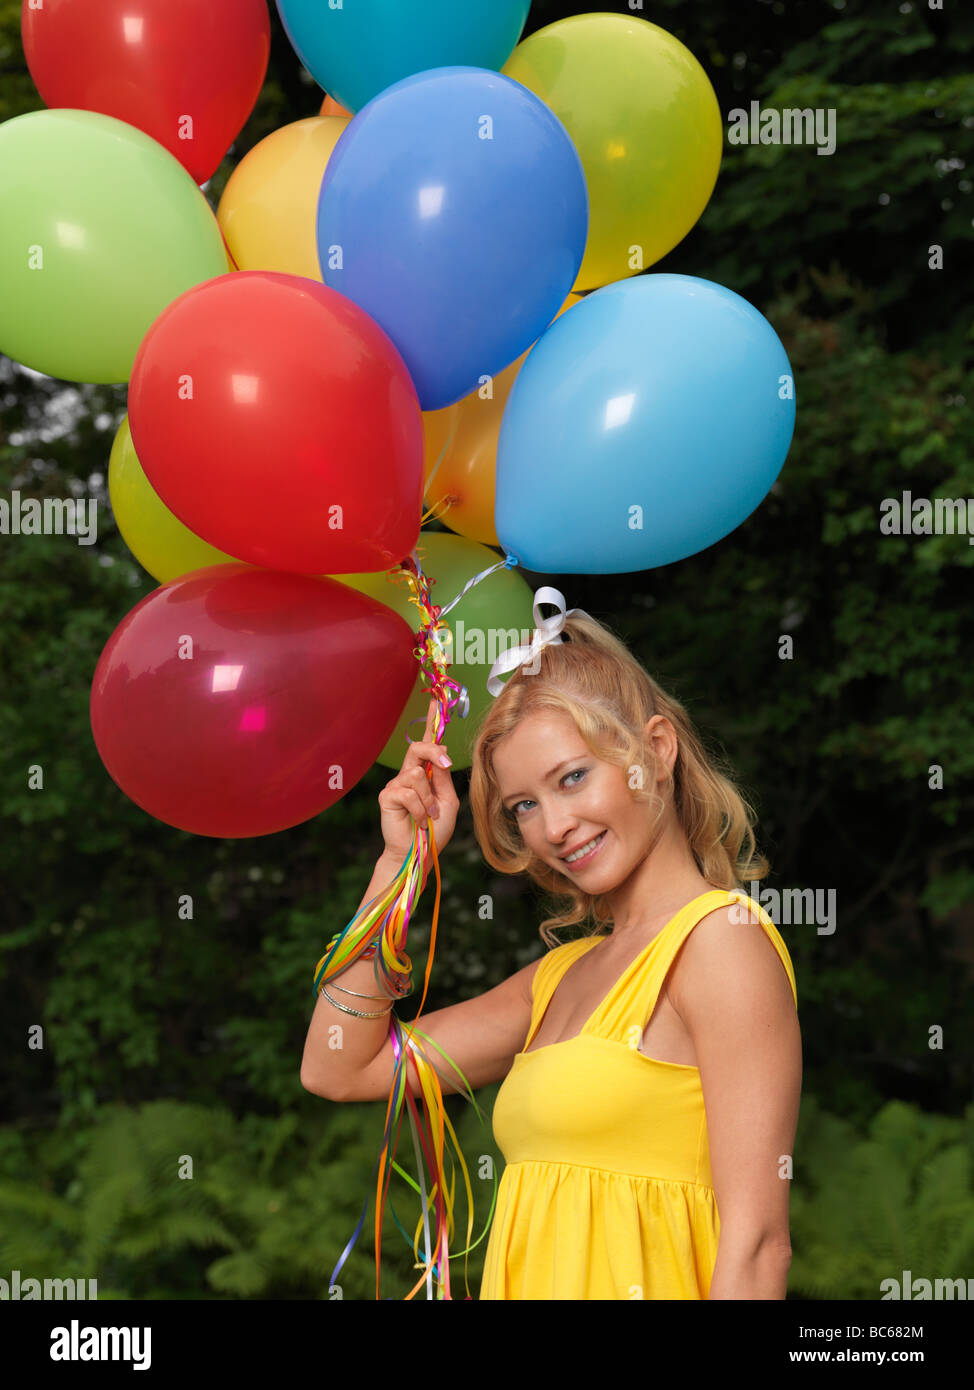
(646, 424)
(454, 211)
(358, 50)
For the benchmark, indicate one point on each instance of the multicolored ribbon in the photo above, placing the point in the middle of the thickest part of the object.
(384, 920)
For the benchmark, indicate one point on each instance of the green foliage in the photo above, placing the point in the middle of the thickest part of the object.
(17, 91)
(866, 1209)
(168, 1200)
(270, 1203)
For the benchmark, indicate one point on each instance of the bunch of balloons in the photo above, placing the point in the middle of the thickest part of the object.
(433, 290)
(430, 293)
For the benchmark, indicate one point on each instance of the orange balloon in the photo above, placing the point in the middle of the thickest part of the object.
(460, 453)
(268, 211)
(330, 107)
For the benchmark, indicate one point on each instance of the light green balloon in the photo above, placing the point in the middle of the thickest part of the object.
(100, 229)
(496, 613)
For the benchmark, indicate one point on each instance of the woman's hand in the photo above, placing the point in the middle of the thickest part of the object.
(409, 799)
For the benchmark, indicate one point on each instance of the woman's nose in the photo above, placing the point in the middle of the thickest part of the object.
(558, 829)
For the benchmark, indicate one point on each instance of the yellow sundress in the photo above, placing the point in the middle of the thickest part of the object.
(607, 1192)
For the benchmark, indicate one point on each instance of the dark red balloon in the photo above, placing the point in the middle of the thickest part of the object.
(236, 702)
(277, 420)
(187, 72)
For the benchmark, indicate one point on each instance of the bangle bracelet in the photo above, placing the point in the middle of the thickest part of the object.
(358, 1013)
(401, 987)
(357, 994)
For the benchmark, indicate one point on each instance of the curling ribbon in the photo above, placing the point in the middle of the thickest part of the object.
(546, 631)
(384, 921)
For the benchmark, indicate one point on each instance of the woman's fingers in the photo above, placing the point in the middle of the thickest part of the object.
(417, 807)
(425, 769)
(430, 752)
(441, 787)
(408, 799)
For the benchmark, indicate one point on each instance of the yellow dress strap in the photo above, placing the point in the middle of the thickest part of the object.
(634, 998)
(551, 968)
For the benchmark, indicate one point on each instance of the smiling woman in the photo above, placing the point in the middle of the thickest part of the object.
(586, 730)
(628, 1173)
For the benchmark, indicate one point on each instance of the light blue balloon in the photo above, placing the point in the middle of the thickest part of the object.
(358, 50)
(454, 211)
(646, 424)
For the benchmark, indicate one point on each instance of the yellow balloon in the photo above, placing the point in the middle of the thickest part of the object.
(645, 120)
(460, 459)
(269, 209)
(156, 537)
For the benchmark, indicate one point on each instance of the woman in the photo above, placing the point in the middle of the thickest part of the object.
(648, 1115)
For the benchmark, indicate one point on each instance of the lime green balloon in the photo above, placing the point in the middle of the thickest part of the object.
(100, 229)
(160, 542)
(646, 123)
(495, 614)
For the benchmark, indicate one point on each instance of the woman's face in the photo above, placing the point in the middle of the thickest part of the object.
(562, 796)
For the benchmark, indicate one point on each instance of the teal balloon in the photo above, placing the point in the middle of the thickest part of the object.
(357, 51)
(645, 425)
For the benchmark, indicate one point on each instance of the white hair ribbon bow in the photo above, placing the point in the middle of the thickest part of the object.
(545, 630)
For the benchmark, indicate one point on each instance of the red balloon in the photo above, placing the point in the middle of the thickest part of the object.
(187, 72)
(237, 702)
(278, 421)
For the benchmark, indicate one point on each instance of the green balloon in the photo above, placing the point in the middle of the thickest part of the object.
(101, 228)
(495, 614)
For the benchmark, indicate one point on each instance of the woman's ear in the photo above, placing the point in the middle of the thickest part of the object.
(660, 742)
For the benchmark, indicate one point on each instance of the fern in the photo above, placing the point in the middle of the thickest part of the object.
(273, 1200)
(866, 1208)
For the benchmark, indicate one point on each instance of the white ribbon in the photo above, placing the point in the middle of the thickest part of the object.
(545, 630)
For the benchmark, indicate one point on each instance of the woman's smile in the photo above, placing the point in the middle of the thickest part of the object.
(585, 859)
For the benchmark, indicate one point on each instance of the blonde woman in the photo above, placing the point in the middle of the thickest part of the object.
(651, 1066)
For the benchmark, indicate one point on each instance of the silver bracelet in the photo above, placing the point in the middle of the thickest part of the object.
(379, 1013)
(399, 994)
(357, 994)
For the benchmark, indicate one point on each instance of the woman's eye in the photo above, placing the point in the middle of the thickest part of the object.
(576, 772)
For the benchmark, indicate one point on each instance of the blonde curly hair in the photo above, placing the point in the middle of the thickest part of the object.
(592, 676)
